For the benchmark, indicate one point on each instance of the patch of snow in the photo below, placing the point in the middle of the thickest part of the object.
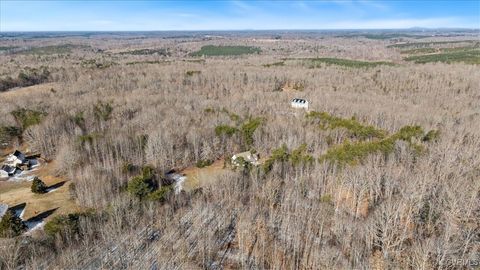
(179, 184)
(179, 179)
(34, 225)
(23, 176)
(52, 189)
(3, 209)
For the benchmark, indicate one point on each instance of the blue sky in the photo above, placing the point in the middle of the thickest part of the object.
(124, 15)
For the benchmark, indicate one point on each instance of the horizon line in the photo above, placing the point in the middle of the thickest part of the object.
(224, 30)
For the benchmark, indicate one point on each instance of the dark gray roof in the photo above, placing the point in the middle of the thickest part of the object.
(7, 168)
(299, 100)
(10, 170)
(19, 154)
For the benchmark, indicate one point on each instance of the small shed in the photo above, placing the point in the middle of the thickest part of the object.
(240, 158)
(300, 103)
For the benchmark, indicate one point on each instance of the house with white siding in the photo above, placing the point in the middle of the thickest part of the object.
(299, 103)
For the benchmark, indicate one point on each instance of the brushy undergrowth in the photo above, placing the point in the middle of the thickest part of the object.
(150, 62)
(53, 49)
(143, 184)
(11, 225)
(355, 128)
(26, 77)
(102, 110)
(318, 62)
(190, 73)
(248, 128)
(94, 64)
(276, 64)
(350, 153)
(161, 51)
(245, 128)
(204, 163)
(8, 133)
(162, 193)
(66, 225)
(428, 44)
(211, 50)
(27, 117)
(88, 138)
(225, 130)
(296, 157)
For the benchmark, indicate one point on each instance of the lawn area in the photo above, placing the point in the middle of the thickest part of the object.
(14, 193)
(211, 50)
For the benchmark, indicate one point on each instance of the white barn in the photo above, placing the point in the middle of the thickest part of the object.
(300, 103)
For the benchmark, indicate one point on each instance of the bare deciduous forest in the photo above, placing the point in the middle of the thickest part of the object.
(381, 172)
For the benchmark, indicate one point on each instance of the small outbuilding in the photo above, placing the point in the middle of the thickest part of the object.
(241, 158)
(300, 103)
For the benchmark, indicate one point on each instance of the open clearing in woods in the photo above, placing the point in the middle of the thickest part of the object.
(26, 92)
(14, 193)
(200, 177)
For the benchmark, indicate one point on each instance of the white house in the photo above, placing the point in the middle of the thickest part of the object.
(300, 103)
(17, 158)
(240, 158)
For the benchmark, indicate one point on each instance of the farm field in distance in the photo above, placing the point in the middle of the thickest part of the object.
(239, 149)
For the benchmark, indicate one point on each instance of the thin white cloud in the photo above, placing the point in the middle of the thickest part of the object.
(301, 5)
(374, 4)
(241, 5)
(343, 3)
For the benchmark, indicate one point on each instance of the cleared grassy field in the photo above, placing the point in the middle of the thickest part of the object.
(428, 44)
(198, 177)
(448, 56)
(13, 193)
(211, 50)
